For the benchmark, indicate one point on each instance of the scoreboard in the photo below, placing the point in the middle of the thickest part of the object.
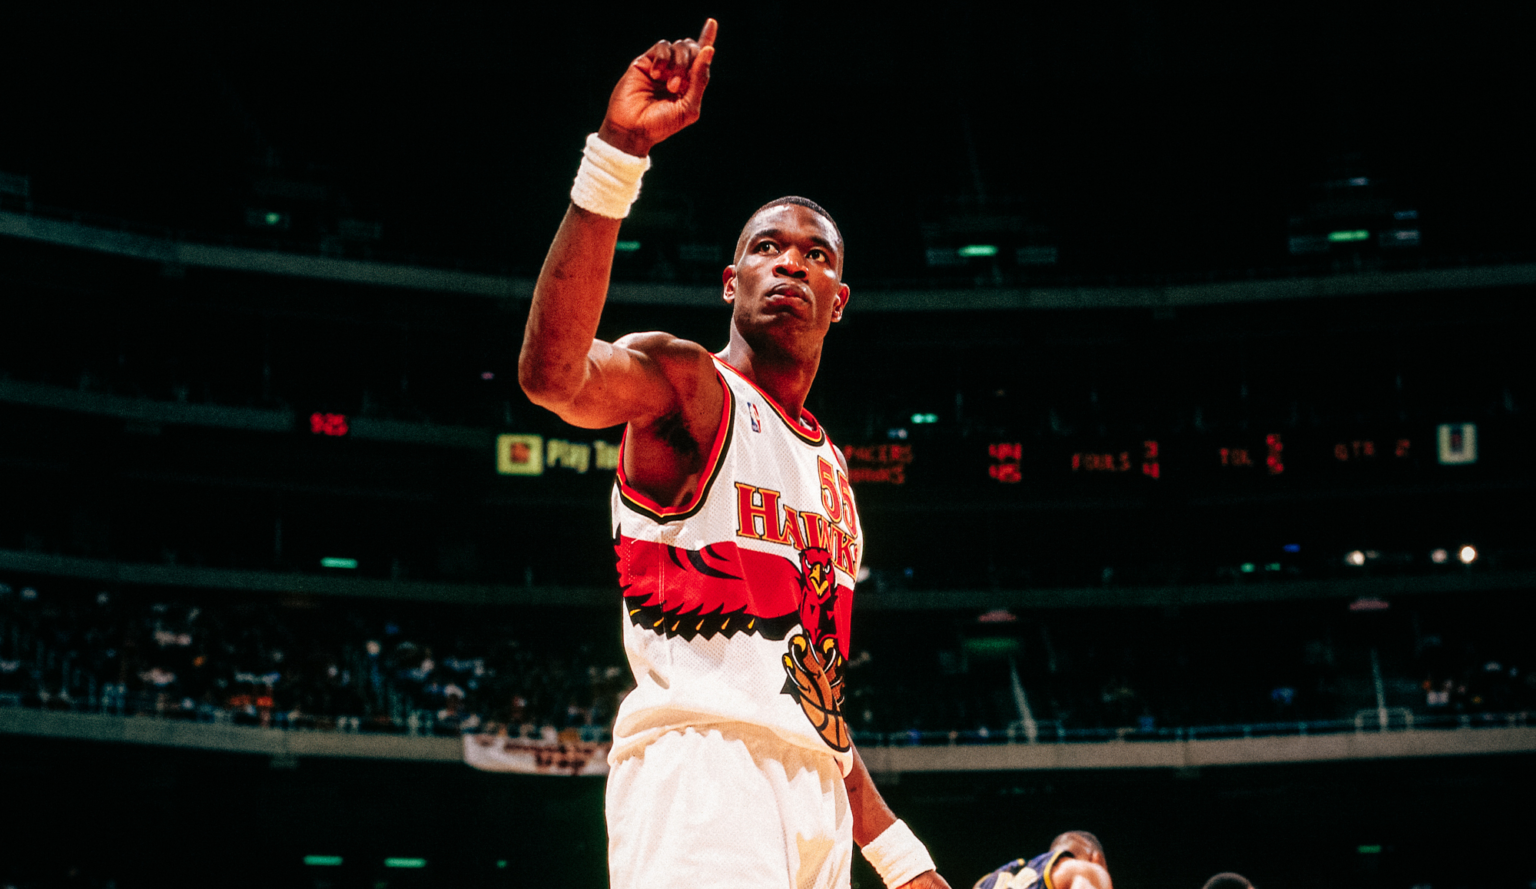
(1208, 462)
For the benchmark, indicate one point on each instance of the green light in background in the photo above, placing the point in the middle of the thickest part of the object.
(920, 419)
(501, 862)
(1358, 234)
(978, 250)
(1370, 850)
(334, 562)
(993, 646)
(274, 218)
(1272, 566)
(405, 862)
(627, 246)
(322, 860)
(1247, 567)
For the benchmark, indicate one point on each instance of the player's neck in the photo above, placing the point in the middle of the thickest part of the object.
(785, 377)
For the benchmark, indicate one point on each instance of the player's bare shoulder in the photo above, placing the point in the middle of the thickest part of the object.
(665, 349)
(687, 366)
(689, 371)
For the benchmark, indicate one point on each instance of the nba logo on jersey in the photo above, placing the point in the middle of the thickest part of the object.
(757, 425)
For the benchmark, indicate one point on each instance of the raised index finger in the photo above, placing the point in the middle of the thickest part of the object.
(707, 36)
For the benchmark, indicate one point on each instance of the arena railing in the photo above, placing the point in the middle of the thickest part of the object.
(423, 723)
(1054, 733)
(334, 258)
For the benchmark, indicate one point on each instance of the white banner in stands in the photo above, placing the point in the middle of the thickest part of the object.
(498, 753)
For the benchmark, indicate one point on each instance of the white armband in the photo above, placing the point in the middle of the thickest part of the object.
(897, 855)
(608, 180)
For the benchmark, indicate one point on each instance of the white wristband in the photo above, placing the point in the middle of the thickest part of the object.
(897, 855)
(609, 179)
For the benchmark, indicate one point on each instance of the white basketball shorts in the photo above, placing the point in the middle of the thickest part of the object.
(719, 806)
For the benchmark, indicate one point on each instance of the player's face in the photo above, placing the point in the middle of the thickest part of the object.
(787, 272)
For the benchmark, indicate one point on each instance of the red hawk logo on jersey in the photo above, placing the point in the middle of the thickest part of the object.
(705, 593)
(818, 592)
(813, 663)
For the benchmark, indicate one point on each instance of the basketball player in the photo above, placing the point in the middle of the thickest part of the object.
(736, 532)
(1074, 861)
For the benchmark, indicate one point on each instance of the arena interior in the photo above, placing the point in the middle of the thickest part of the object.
(1181, 389)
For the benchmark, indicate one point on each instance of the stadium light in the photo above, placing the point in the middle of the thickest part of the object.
(1467, 555)
(978, 250)
(322, 860)
(1358, 234)
(257, 217)
(1439, 556)
(337, 562)
(1355, 557)
(405, 862)
(626, 246)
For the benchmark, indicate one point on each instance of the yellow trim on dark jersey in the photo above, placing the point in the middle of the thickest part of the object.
(977, 885)
(1045, 878)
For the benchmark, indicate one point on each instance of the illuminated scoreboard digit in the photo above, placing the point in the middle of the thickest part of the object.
(1144, 459)
(1356, 450)
(328, 424)
(1234, 461)
(1010, 463)
(1006, 457)
(1251, 457)
(1382, 454)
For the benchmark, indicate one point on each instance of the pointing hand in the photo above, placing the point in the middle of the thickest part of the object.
(660, 93)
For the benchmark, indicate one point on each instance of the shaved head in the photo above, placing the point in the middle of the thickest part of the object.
(1080, 843)
(746, 230)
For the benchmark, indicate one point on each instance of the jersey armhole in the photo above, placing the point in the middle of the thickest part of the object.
(1050, 865)
(644, 505)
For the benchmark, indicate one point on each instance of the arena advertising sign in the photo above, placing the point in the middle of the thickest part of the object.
(500, 753)
(533, 454)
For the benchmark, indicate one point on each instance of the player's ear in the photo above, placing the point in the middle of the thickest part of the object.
(841, 304)
(728, 280)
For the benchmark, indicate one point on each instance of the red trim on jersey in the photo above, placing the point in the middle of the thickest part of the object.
(814, 435)
(655, 511)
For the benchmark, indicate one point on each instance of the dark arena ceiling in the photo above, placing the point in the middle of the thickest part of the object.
(1145, 138)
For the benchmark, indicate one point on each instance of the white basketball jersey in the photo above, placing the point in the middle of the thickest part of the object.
(737, 606)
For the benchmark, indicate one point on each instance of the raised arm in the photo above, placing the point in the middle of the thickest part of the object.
(562, 367)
